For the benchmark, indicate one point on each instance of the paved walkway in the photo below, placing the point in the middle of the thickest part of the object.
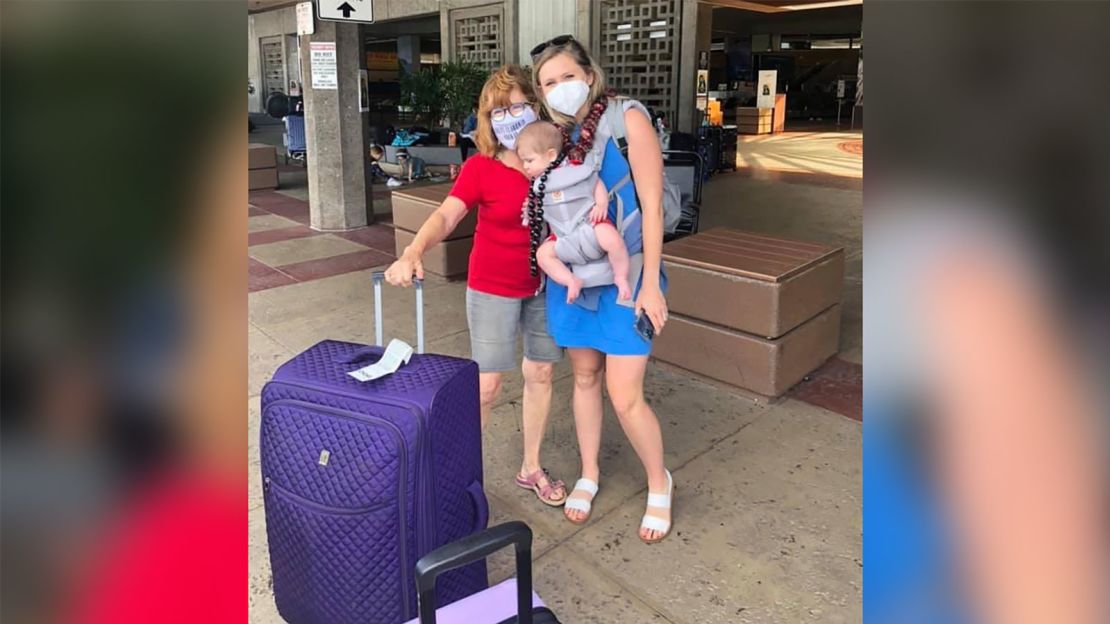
(767, 518)
(828, 153)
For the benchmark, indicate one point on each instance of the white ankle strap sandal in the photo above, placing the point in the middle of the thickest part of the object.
(580, 504)
(659, 501)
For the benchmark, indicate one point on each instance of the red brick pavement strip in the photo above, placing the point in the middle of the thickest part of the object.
(280, 234)
(297, 211)
(336, 265)
(260, 277)
(265, 199)
(378, 237)
(255, 211)
(837, 386)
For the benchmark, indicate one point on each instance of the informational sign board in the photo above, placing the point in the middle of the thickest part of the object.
(346, 10)
(703, 82)
(325, 74)
(765, 88)
(841, 89)
(381, 61)
(305, 24)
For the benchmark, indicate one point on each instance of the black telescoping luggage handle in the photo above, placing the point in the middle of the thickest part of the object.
(378, 278)
(475, 548)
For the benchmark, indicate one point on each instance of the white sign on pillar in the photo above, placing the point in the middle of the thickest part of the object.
(305, 24)
(765, 89)
(346, 10)
(325, 73)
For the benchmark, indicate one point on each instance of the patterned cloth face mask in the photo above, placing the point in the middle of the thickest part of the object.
(508, 122)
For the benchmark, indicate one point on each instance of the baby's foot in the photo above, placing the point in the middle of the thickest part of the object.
(573, 288)
(624, 292)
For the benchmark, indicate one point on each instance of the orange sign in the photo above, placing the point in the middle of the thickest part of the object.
(381, 60)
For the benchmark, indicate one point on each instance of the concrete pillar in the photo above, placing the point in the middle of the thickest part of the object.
(584, 32)
(339, 194)
(697, 35)
(408, 52)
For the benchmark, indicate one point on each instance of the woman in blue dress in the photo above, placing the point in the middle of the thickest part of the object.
(597, 330)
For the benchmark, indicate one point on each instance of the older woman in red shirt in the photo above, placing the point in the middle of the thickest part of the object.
(501, 295)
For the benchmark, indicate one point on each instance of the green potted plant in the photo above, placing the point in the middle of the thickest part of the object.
(460, 85)
(422, 93)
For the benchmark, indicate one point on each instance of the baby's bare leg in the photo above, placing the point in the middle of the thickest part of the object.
(556, 270)
(610, 240)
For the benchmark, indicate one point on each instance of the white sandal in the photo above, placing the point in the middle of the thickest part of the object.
(580, 504)
(659, 501)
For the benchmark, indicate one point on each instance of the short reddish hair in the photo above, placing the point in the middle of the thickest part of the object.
(495, 94)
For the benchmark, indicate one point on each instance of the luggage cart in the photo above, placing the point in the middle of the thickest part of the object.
(294, 140)
(687, 170)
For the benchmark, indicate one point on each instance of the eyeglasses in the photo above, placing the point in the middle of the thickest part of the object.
(556, 41)
(514, 110)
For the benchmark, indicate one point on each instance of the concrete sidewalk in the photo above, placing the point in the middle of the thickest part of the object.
(767, 508)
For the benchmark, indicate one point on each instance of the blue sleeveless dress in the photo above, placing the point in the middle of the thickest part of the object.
(610, 328)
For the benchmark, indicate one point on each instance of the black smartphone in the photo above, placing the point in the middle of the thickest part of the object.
(644, 327)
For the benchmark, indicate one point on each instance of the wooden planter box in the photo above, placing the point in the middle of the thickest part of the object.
(756, 311)
(756, 283)
(766, 367)
(412, 207)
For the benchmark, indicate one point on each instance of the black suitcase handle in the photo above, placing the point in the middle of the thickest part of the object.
(475, 548)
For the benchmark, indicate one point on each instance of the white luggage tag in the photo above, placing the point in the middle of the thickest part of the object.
(396, 355)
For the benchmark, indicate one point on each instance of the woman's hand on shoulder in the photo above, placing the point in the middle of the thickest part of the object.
(652, 303)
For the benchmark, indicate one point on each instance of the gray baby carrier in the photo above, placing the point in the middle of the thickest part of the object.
(627, 222)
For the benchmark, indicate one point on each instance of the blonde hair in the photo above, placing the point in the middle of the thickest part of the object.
(578, 53)
(495, 94)
(541, 136)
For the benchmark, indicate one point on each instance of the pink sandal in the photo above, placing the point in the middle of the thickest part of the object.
(543, 492)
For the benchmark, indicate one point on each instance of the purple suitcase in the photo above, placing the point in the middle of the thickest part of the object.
(362, 479)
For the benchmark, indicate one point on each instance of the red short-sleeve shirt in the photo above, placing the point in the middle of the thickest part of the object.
(499, 259)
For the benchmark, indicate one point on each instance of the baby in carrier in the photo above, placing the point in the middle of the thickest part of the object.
(575, 205)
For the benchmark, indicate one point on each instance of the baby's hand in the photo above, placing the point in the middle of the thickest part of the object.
(598, 213)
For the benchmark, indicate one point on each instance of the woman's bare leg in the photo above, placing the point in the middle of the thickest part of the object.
(536, 408)
(588, 366)
(489, 388)
(624, 376)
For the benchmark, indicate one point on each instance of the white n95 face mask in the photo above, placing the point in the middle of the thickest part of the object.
(568, 97)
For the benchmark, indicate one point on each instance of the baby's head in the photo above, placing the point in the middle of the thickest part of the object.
(538, 145)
